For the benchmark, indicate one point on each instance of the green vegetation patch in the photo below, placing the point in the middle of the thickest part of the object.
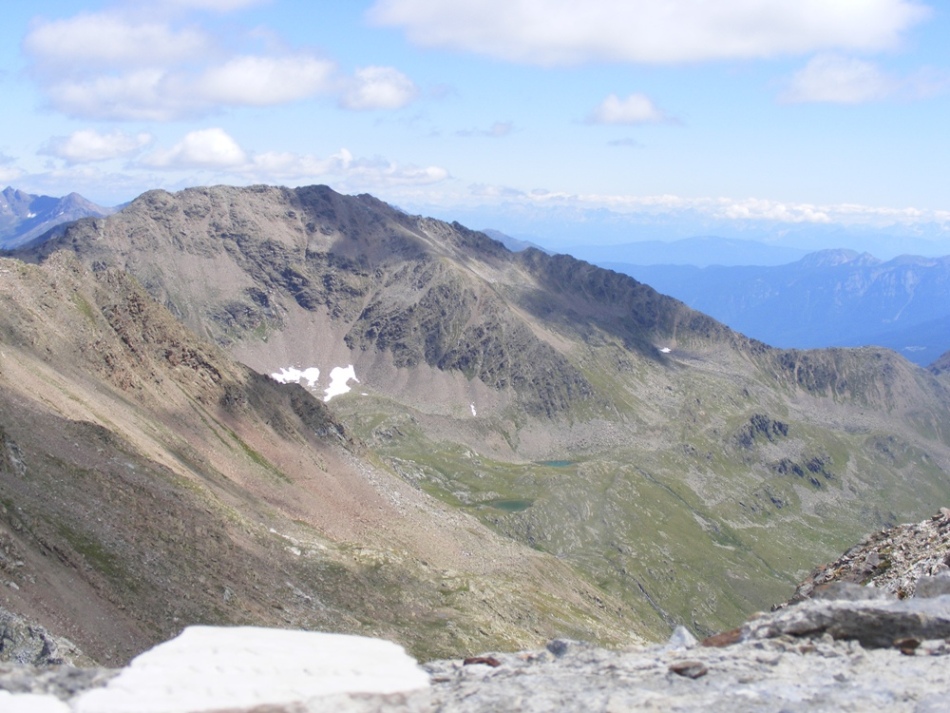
(97, 556)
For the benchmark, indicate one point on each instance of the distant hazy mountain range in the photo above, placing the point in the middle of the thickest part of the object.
(699, 251)
(828, 298)
(24, 216)
(792, 299)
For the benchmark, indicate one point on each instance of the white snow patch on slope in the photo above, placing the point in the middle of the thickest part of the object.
(339, 377)
(474, 413)
(293, 375)
(665, 350)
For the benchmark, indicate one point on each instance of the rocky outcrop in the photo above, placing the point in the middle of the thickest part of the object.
(894, 560)
(23, 642)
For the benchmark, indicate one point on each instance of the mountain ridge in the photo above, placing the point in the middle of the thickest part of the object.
(25, 217)
(684, 472)
(829, 298)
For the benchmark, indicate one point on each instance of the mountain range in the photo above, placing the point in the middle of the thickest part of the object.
(530, 445)
(697, 251)
(25, 217)
(827, 298)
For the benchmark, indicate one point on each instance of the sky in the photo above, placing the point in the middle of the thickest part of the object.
(575, 120)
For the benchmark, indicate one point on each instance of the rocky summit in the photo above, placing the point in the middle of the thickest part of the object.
(847, 647)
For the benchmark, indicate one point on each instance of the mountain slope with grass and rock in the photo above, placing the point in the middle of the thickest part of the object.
(688, 474)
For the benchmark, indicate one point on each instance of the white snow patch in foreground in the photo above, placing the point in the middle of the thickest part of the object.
(293, 375)
(31, 703)
(474, 413)
(210, 668)
(339, 377)
(665, 350)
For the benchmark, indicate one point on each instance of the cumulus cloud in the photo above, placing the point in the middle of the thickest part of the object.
(379, 173)
(635, 109)
(89, 145)
(561, 32)
(288, 165)
(840, 80)
(206, 148)
(378, 88)
(262, 81)
(137, 95)
(214, 149)
(105, 40)
(846, 80)
(110, 66)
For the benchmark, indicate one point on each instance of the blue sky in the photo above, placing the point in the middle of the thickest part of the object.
(504, 113)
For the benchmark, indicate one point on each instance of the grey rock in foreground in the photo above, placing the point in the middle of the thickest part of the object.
(784, 674)
(806, 657)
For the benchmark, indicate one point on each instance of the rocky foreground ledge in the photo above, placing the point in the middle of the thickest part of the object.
(846, 644)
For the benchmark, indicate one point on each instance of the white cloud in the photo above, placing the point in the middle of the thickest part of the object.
(106, 40)
(635, 109)
(748, 209)
(378, 88)
(379, 173)
(215, 5)
(214, 149)
(646, 31)
(139, 95)
(9, 173)
(158, 95)
(285, 165)
(262, 81)
(847, 80)
(207, 148)
(109, 66)
(840, 80)
(89, 145)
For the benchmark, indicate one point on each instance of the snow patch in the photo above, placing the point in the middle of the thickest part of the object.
(339, 377)
(292, 375)
(31, 703)
(474, 412)
(242, 668)
(665, 350)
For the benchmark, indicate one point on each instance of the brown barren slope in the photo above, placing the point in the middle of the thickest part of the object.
(148, 482)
